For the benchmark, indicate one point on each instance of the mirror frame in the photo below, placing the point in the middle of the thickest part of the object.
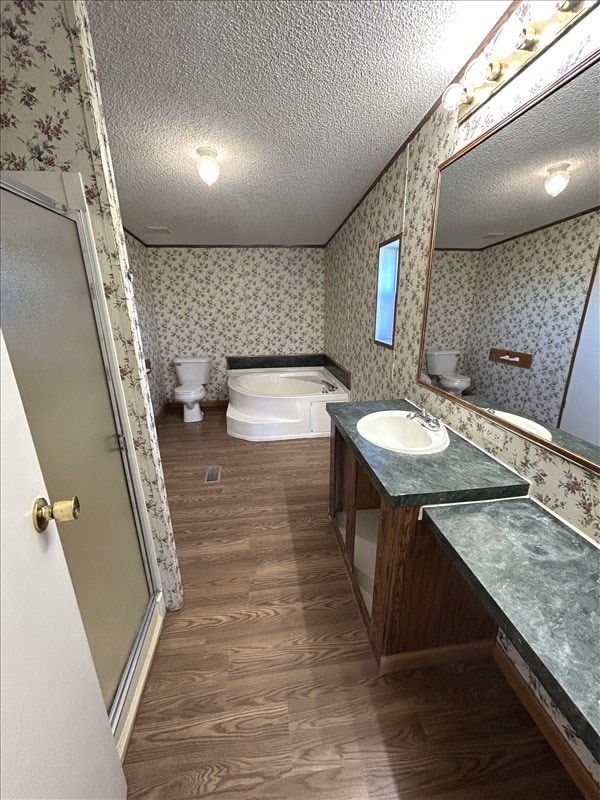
(553, 87)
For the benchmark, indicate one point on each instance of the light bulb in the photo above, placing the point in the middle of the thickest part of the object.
(208, 166)
(542, 10)
(557, 180)
(475, 73)
(505, 43)
(454, 96)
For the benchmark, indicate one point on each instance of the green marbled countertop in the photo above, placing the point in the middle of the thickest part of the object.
(540, 581)
(460, 473)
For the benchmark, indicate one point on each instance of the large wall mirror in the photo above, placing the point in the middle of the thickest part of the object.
(513, 311)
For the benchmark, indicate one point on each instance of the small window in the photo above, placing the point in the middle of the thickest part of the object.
(387, 289)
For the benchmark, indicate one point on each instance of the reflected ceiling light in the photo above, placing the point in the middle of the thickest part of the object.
(208, 166)
(558, 178)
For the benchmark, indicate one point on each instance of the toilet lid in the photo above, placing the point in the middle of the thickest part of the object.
(455, 379)
(190, 388)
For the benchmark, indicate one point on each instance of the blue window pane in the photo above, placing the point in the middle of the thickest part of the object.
(387, 281)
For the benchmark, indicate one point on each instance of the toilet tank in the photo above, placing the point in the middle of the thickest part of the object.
(442, 362)
(192, 370)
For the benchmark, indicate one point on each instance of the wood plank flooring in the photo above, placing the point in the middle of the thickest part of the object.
(264, 687)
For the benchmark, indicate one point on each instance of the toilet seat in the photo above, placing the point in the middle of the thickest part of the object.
(190, 391)
(455, 381)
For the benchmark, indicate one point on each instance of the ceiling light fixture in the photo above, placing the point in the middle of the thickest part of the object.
(208, 166)
(476, 72)
(530, 30)
(558, 178)
(454, 96)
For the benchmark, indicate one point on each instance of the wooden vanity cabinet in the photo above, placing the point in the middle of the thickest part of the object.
(422, 610)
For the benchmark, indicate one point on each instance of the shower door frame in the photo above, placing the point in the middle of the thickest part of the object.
(122, 710)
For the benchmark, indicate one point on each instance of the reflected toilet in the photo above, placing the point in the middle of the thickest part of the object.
(441, 364)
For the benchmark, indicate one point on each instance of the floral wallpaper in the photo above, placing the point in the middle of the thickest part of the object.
(52, 119)
(352, 259)
(453, 280)
(223, 301)
(569, 490)
(147, 316)
(527, 295)
(530, 298)
(264, 301)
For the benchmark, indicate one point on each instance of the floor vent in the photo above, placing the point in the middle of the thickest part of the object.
(213, 474)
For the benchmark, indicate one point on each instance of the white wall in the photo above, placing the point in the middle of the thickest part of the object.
(581, 415)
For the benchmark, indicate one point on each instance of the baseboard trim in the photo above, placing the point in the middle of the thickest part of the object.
(204, 404)
(434, 656)
(161, 412)
(129, 710)
(581, 777)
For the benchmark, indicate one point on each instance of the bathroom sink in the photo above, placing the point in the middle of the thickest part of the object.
(393, 430)
(526, 424)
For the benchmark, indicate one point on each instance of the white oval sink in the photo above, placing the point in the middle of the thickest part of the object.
(527, 424)
(393, 430)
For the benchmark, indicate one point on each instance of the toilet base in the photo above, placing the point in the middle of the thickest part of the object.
(193, 413)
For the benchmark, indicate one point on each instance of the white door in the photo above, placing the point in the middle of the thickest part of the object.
(56, 739)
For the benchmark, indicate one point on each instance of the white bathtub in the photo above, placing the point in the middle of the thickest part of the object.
(281, 403)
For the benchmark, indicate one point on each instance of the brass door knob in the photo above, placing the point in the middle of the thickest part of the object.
(61, 511)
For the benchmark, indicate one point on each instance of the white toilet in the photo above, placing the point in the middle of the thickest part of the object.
(442, 365)
(192, 374)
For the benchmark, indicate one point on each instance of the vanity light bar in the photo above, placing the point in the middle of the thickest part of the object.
(531, 30)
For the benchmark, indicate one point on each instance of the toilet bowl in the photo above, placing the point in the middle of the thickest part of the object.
(190, 394)
(193, 374)
(441, 365)
(455, 383)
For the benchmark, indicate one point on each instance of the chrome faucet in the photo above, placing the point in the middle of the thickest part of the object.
(426, 419)
(327, 387)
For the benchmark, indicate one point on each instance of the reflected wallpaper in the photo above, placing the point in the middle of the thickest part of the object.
(526, 294)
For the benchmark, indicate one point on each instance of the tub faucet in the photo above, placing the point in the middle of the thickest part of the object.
(327, 387)
(426, 419)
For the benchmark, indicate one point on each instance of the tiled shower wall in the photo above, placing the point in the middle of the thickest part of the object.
(223, 301)
(527, 295)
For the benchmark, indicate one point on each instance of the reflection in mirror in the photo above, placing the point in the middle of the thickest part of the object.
(511, 309)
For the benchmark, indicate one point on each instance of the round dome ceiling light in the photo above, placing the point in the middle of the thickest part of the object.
(208, 166)
(558, 178)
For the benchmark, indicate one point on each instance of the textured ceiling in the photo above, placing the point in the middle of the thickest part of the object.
(305, 101)
(498, 187)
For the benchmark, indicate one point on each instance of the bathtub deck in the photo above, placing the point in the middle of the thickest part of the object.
(264, 685)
